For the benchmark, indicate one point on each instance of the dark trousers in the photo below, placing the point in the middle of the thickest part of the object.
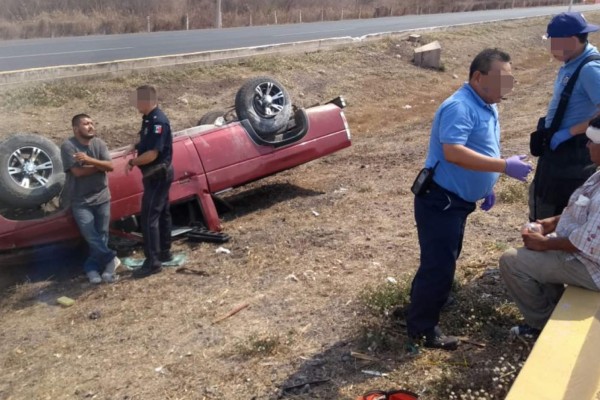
(557, 174)
(441, 217)
(156, 219)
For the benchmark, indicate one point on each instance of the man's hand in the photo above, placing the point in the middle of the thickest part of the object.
(534, 241)
(488, 201)
(128, 166)
(549, 224)
(82, 158)
(517, 168)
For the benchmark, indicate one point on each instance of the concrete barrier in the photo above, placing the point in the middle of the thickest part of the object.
(564, 361)
(428, 56)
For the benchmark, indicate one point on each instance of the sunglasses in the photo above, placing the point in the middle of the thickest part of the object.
(391, 395)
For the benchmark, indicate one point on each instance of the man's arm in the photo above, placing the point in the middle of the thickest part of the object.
(581, 127)
(79, 172)
(100, 165)
(145, 158)
(466, 158)
(538, 242)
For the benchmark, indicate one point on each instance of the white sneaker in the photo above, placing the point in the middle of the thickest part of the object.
(94, 277)
(112, 266)
(109, 278)
(109, 275)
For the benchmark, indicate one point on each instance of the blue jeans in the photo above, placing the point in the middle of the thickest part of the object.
(441, 217)
(93, 224)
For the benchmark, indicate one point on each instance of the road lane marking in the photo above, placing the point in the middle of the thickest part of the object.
(65, 52)
(313, 32)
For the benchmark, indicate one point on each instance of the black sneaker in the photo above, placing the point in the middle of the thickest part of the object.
(146, 271)
(165, 257)
(525, 330)
(450, 301)
(437, 340)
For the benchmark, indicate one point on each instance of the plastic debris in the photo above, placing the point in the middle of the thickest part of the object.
(391, 280)
(316, 214)
(65, 301)
(373, 373)
(222, 250)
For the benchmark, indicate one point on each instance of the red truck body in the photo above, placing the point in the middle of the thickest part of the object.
(205, 162)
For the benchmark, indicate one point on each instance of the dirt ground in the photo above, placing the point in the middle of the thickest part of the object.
(318, 287)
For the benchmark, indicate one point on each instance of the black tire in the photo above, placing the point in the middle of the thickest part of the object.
(211, 117)
(265, 103)
(31, 171)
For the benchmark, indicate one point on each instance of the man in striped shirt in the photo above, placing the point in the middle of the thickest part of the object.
(567, 252)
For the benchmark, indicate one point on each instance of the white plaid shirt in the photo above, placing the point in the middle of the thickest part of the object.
(580, 222)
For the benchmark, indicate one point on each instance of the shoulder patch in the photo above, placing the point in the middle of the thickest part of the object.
(158, 129)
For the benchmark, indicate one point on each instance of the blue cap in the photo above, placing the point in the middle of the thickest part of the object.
(569, 24)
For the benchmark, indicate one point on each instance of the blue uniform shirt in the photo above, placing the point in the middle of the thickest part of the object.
(156, 135)
(465, 119)
(585, 99)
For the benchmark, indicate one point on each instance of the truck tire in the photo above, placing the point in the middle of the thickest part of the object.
(265, 103)
(211, 117)
(31, 171)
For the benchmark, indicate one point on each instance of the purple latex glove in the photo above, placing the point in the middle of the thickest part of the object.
(488, 201)
(517, 168)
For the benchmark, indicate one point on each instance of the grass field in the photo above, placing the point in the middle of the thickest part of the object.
(317, 287)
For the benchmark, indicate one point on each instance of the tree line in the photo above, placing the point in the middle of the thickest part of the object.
(50, 18)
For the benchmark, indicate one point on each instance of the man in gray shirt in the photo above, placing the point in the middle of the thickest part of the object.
(86, 161)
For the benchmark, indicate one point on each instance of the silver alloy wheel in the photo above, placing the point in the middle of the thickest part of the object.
(30, 167)
(269, 99)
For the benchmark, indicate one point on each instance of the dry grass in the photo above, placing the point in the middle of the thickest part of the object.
(316, 286)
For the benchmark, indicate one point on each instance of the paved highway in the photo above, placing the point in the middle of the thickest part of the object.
(34, 53)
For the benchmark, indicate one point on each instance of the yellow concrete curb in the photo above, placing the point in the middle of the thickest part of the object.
(564, 361)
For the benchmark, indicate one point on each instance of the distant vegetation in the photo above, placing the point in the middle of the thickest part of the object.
(49, 18)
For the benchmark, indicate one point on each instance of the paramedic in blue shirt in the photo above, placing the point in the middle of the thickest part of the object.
(553, 184)
(465, 146)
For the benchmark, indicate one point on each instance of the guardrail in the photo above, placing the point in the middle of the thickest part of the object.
(564, 361)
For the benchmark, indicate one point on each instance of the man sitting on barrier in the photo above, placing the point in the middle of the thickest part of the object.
(565, 252)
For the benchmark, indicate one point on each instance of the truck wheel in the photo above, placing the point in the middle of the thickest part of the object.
(31, 171)
(211, 117)
(265, 103)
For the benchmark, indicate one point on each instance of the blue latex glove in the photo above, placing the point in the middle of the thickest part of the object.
(517, 168)
(560, 136)
(488, 201)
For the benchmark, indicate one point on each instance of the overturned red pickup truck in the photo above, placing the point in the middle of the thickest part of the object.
(263, 135)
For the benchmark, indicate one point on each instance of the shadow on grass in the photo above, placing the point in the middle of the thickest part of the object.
(260, 198)
(484, 366)
(50, 269)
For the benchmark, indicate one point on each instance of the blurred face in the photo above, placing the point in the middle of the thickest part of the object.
(85, 129)
(495, 84)
(594, 149)
(564, 49)
(143, 102)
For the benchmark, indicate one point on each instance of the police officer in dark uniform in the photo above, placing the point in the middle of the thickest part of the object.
(154, 158)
